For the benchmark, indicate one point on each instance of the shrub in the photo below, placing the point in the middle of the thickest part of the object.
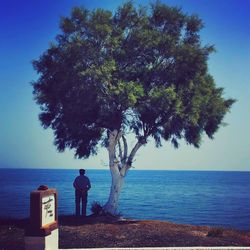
(96, 208)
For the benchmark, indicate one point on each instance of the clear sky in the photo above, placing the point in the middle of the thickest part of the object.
(27, 27)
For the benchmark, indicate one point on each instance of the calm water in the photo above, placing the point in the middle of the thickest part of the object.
(193, 197)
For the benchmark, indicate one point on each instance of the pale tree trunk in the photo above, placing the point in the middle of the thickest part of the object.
(115, 190)
(118, 168)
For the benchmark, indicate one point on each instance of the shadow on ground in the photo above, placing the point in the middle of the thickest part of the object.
(72, 220)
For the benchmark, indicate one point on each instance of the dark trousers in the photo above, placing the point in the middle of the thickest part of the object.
(81, 197)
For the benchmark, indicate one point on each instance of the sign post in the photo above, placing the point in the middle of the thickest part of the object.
(42, 233)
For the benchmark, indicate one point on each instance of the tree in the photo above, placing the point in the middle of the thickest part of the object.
(139, 70)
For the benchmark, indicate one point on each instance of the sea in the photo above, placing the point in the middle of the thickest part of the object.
(214, 198)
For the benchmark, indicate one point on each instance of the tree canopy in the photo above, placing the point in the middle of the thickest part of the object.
(141, 70)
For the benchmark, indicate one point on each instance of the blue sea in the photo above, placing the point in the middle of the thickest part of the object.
(186, 197)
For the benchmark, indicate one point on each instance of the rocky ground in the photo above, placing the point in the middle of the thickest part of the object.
(108, 232)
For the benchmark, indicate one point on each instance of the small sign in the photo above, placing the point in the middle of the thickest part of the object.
(43, 211)
(42, 232)
(48, 210)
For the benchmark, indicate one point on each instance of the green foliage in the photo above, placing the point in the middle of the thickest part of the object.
(141, 70)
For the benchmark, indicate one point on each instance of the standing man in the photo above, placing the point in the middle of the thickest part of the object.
(81, 185)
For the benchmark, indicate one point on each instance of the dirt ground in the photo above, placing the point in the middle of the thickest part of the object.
(109, 232)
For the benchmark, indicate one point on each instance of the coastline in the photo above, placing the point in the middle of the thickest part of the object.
(110, 232)
(184, 197)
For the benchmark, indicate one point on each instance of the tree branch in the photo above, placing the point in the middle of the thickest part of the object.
(120, 151)
(128, 163)
(125, 149)
(133, 152)
(113, 138)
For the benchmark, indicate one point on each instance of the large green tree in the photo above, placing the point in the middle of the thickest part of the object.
(140, 70)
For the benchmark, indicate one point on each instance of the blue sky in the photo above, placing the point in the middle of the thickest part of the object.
(27, 27)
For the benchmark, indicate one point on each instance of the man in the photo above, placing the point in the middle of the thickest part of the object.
(81, 185)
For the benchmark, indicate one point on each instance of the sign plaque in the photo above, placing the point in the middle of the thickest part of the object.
(42, 233)
(43, 211)
(48, 210)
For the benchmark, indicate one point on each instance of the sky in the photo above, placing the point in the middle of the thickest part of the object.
(26, 29)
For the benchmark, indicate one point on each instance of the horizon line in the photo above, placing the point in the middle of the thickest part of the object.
(133, 169)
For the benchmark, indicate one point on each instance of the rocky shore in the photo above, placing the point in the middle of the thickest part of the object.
(110, 232)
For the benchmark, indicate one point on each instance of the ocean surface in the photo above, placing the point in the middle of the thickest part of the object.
(186, 197)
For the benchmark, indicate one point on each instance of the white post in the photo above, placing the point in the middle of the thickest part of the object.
(42, 233)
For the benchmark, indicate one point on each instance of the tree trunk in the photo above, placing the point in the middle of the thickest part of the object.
(117, 179)
(115, 190)
(118, 169)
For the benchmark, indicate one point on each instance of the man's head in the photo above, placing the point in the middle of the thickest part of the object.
(81, 171)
